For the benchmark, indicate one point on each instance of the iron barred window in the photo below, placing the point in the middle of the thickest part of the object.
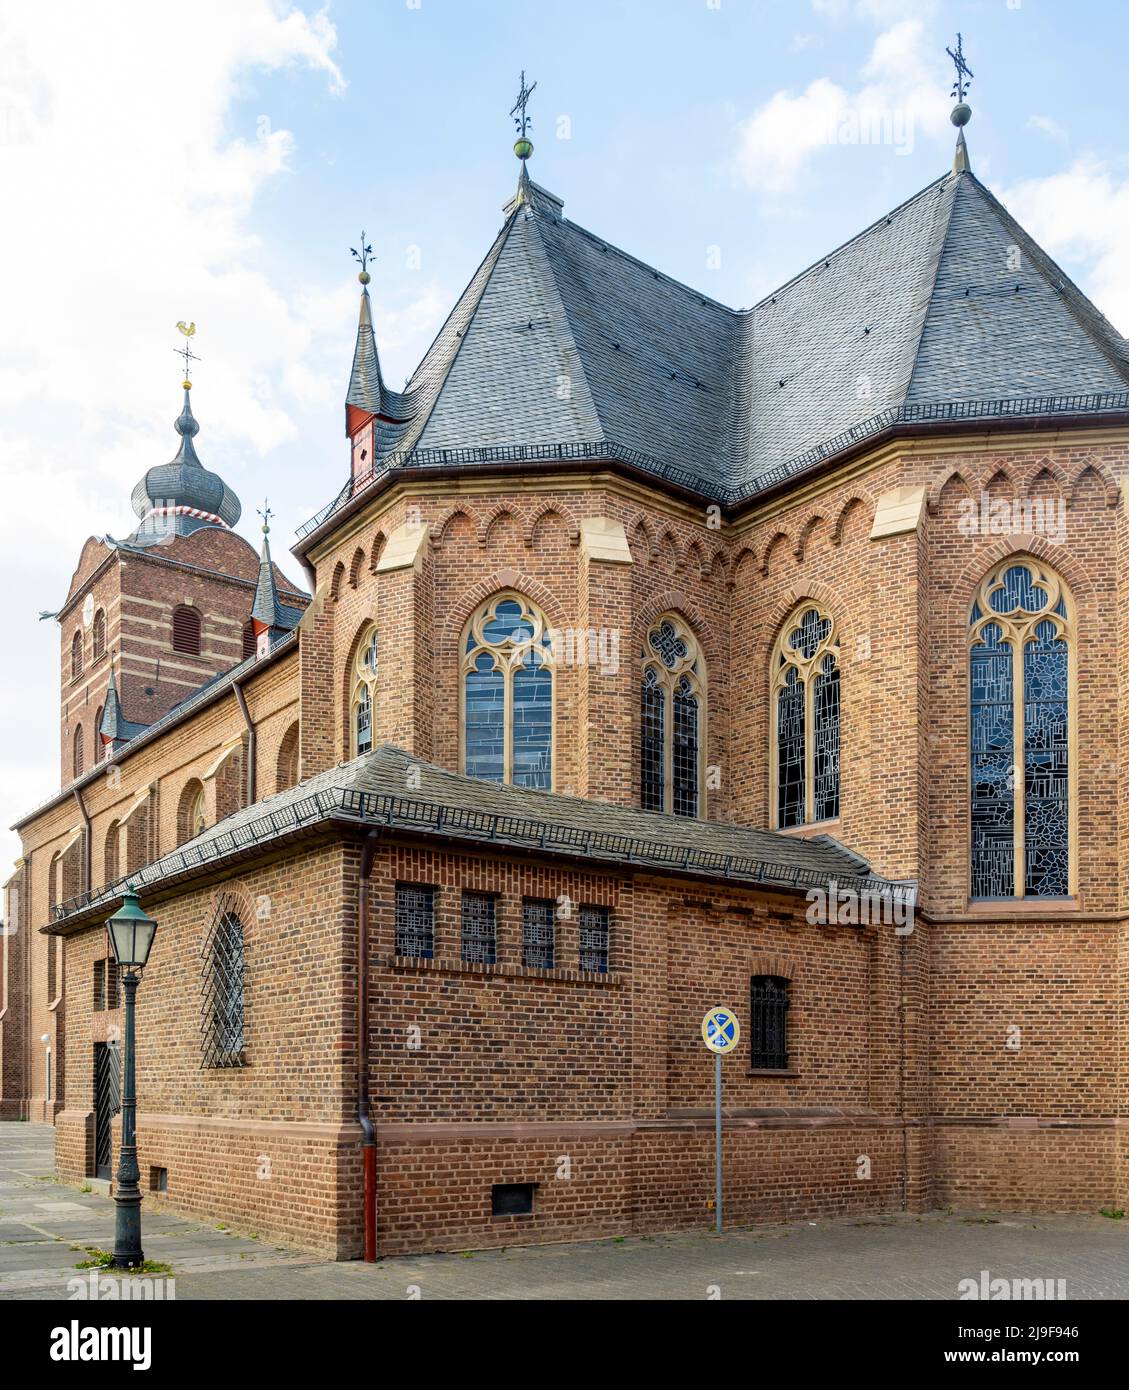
(1021, 648)
(768, 1023)
(670, 719)
(222, 980)
(594, 934)
(538, 945)
(805, 745)
(479, 928)
(415, 921)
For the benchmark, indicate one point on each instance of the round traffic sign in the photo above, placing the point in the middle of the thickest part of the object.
(720, 1030)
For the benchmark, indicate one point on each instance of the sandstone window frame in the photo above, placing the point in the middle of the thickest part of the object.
(672, 672)
(1018, 630)
(510, 657)
(364, 679)
(795, 669)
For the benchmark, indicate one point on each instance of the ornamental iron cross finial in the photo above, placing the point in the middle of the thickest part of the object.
(964, 72)
(364, 255)
(189, 331)
(266, 513)
(524, 121)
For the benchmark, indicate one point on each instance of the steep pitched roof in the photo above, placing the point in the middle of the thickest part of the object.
(561, 339)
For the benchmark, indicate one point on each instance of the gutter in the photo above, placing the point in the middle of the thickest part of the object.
(252, 742)
(87, 843)
(364, 1116)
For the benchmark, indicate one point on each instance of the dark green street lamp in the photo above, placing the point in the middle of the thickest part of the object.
(131, 935)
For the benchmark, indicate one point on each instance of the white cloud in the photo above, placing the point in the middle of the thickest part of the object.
(1046, 125)
(895, 103)
(1082, 216)
(129, 205)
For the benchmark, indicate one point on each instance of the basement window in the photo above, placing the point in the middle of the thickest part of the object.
(512, 1199)
(158, 1179)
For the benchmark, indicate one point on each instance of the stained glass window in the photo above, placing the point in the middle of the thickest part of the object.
(1019, 744)
(507, 672)
(805, 746)
(671, 714)
(365, 671)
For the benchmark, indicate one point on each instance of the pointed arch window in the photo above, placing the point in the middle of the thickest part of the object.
(366, 671)
(1021, 670)
(507, 694)
(805, 704)
(671, 719)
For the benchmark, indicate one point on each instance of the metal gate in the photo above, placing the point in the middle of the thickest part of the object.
(107, 1103)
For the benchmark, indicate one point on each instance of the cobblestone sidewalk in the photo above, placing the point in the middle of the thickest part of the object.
(46, 1228)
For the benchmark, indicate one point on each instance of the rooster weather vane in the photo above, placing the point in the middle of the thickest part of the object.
(189, 331)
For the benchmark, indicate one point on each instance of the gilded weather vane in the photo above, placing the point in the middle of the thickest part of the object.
(189, 331)
(362, 257)
(964, 72)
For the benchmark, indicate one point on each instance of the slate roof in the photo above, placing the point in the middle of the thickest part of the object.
(922, 312)
(183, 484)
(389, 788)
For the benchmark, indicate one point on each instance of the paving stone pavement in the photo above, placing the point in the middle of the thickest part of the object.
(45, 1228)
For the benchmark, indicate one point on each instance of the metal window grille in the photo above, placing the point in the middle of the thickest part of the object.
(99, 984)
(537, 933)
(415, 921)
(594, 933)
(479, 928)
(222, 978)
(768, 1022)
(186, 630)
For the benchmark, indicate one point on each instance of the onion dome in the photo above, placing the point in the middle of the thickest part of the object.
(177, 498)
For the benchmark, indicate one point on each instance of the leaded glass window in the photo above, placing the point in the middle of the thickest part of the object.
(222, 977)
(768, 1023)
(671, 719)
(364, 675)
(1021, 644)
(594, 934)
(479, 928)
(415, 920)
(538, 918)
(507, 674)
(805, 701)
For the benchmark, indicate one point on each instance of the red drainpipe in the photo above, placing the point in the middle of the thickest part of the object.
(368, 1142)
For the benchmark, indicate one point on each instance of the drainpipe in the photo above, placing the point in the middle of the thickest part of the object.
(368, 1130)
(245, 712)
(87, 843)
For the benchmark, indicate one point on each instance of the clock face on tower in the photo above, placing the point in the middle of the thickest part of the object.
(88, 610)
(362, 450)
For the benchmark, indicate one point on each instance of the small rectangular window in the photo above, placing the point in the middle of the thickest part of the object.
(512, 1199)
(415, 921)
(768, 1023)
(594, 933)
(479, 928)
(538, 917)
(99, 985)
(158, 1179)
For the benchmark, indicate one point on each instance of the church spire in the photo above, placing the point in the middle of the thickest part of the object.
(961, 113)
(266, 610)
(523, 146)
(111, 731)
(177, 498)
(366, 386)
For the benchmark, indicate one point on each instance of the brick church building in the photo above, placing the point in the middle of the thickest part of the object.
(652, 655)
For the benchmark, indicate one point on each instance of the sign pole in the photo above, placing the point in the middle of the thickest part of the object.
(721, 1033)
(717, 1135)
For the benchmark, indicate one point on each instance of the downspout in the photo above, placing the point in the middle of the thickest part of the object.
(245, 712)
(87, 843)
(368, 1130)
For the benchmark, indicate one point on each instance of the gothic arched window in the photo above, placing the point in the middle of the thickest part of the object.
(507, 694)
(672, 719)
(805, 705)
(1021, 643)
(366, 669)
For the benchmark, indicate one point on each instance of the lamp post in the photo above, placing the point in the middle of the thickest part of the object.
(131, 935)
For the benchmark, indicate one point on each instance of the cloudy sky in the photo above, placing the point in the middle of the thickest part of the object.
(215, 162)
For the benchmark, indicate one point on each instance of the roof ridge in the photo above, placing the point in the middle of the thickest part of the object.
(929, 282)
